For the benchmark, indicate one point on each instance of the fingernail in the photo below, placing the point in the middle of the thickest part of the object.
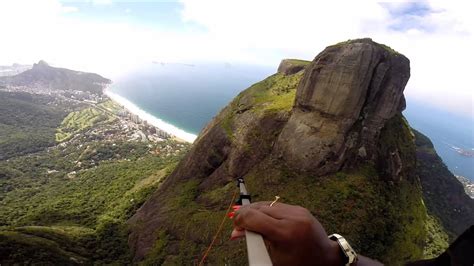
(231, 215)
(236, 207)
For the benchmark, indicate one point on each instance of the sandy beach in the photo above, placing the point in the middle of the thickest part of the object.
(155, 121)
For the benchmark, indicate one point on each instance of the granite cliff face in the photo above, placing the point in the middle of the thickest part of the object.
(327, 135)
(344, 99)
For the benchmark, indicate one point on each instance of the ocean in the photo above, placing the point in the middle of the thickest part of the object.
(182, 98)
(448, 132)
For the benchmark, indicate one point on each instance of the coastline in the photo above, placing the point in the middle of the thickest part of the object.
(467, 184)
(153, 120)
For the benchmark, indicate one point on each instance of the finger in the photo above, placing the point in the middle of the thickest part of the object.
(278, 205)
(254, 220)
(236, 207)
(236, 233)
(274, 211)
(277, 211)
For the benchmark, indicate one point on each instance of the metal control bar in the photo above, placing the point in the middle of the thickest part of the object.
(256, 249)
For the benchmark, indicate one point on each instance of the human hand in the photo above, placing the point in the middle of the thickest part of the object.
(293, 236)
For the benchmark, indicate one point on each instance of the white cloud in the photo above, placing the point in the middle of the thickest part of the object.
(250, 31)
(69, 9)
(35, 30)
(102, 2)
(440, 57)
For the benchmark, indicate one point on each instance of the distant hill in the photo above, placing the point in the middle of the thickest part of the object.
(43, 75)
(13, 69)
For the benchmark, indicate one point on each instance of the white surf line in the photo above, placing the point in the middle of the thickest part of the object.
(153, 120)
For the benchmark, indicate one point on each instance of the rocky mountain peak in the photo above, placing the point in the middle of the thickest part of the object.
(41, 63)
(307, 133)
(344, 99)
(292, 66)
(44, 76)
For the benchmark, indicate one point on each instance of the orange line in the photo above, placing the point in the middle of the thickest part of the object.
(218, 230)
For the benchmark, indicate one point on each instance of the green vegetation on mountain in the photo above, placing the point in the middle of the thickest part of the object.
(298, 62)
(77, 216)
(437, 240)
(329, 144)
(271, 95)
(352, 203)
(38, 244)
(27, 124)
(68, 204)
(78, 121)
(332, 145)
(444, 195)
(275, 93)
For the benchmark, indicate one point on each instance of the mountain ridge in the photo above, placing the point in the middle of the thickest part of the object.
(384, 187)
(334, 125)
(441, 187)
(44, 76)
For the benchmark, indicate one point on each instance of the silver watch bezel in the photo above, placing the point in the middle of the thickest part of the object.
(346, 248)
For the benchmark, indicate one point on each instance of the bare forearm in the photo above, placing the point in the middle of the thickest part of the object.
(364, 261)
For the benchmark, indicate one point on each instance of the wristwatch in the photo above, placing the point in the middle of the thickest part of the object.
(349, 253)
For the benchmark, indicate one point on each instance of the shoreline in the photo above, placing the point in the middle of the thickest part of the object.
(149, 118)
(467, 184)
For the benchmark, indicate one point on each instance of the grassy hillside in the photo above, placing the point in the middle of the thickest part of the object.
(27, 124)
(274, 94)
(69, 218)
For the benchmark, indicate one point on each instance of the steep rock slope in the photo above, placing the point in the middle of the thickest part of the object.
(443, 194)
(327, 135)
(45, 76)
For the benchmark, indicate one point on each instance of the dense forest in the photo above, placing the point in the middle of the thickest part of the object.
(27, 124)
(66, 202)
(69, 216)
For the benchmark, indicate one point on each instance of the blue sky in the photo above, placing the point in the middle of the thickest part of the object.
(110, 37)
(410, 16)
(161, 15)
(167, 14)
